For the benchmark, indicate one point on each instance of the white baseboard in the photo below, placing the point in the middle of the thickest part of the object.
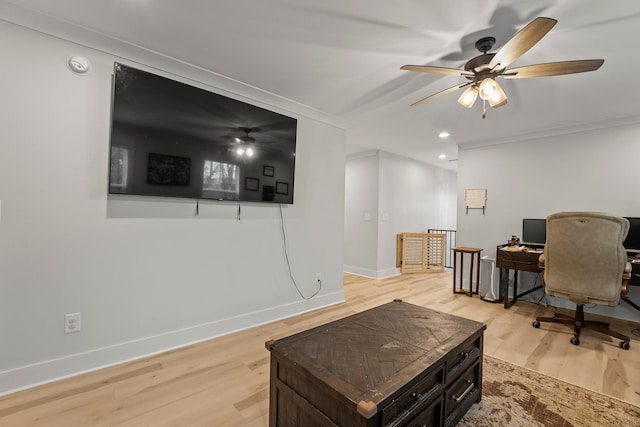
(372, 274)
(360, 271)
(28, 376)
(388, 272)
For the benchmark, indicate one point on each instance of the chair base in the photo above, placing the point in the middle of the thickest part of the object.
(579, 323)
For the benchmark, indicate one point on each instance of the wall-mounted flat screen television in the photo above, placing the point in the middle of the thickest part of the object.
(172, 139)
(534, 231)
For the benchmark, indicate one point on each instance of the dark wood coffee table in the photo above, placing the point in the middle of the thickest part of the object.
(393, 365)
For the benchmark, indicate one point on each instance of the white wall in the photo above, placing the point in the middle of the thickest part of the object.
(146, 274)
(361, 215)
(587, 170)
(411, 196)
(446, 199)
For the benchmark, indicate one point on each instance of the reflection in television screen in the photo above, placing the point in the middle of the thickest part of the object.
(176, 140)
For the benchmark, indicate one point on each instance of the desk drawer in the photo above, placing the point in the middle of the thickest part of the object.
(523, 261)
(462, 357)
(429, 415)
(460, 396)
(413, 399)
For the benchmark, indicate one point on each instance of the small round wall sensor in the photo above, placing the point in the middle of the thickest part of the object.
(79, 65)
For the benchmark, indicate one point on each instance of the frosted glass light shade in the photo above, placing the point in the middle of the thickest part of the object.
(499, 98)
(487, 88)
(468, 97)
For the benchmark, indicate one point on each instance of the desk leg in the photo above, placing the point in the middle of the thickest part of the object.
(504, 286)
(461, 272)
(455, 269)
(478, 274)
(471, 275)
(509, 302)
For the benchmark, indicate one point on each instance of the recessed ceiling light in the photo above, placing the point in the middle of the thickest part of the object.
(444, 134)
(442, 156)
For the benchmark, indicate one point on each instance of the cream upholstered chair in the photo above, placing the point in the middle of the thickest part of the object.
(585, 262)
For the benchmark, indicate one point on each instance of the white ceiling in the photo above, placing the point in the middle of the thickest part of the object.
(343, 57)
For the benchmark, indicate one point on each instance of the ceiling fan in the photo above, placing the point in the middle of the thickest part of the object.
(246, 138)
(481, 72)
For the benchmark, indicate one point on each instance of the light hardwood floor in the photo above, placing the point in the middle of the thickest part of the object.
(224, 381)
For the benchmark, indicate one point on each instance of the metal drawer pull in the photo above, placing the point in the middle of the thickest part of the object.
(467, 391)
(416, 395)
(464, 354)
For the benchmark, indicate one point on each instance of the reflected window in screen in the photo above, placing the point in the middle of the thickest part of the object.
(119, 169)
(220, 180)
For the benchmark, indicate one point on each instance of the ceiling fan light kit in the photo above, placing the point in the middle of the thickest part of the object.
(245, 143)
(493, 93)
(488, 89)
(482, 71)
(468, 97)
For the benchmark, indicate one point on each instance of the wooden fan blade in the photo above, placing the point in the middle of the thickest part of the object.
(524, 40)
(554, 69)
(436, 70)
(441, 93)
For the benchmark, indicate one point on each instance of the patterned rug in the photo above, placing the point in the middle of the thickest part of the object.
(516, 396)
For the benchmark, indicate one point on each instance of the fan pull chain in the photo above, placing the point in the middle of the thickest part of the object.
(484, 108)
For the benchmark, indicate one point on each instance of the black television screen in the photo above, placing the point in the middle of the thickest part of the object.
(632, 242)
(172, 139)
(534, 231)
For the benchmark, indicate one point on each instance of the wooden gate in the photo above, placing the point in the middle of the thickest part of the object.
(420, 252)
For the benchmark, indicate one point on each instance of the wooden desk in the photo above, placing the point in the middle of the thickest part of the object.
(475, 253)
(393, 365)
(517, 261)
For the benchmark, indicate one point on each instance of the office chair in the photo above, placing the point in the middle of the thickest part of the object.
(585, 262)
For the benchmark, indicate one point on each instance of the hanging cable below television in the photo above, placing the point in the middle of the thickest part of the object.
(286, 256)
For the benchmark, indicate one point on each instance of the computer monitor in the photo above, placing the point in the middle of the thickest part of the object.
(632, 242)
(534, 231)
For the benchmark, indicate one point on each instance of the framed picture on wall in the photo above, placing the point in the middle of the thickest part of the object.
(282, 188)
(251, 184)
(163, 169)
(268, 170)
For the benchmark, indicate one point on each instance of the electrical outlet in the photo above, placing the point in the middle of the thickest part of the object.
(318, 279)
(72, 323)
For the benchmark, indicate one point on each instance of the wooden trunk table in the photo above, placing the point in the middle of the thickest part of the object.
(394, 365)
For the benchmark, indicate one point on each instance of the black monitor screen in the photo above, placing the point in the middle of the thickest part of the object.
(632, 242)
(534, 230)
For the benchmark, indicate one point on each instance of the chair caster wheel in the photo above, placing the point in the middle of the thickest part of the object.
(536, 324)
(575, 341)
(624, 345)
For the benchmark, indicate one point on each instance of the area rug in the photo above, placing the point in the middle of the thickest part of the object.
(516, 396)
